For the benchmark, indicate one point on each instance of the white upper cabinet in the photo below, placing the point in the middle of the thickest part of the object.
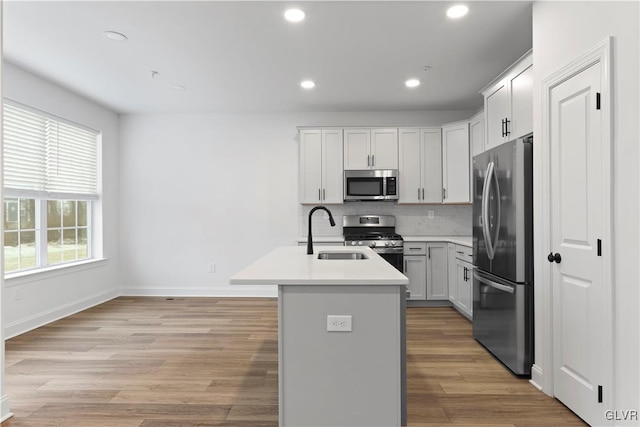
(420, 165)
(476, 133)
(521, 102)
(321, 173)
(357, 149)
(384, 148)
(508, 103)
(455, 163)
(370, 149)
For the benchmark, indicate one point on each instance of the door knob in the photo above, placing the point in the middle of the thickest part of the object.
(554, 257)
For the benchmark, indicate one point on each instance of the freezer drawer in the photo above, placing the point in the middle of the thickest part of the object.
(502, 320)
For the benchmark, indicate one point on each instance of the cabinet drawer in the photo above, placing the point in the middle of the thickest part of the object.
(413, 248)
(464, 253)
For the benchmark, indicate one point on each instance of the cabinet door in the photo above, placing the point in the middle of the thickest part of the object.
(437, 274)
(452, 276)
(464, 270)
(476, 134)
(357, 146)
(310, 166)
(455, 159)
(384, 148)
(521, 104)
(410, 166)
(332, 169)
(415, 268)
(432, 170)
(496, 109)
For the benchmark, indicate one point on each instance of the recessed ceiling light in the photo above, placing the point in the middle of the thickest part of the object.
(307, 84)
(294, 15)
(178, 88)
(412, 83)
(457, 11)
(115, 36)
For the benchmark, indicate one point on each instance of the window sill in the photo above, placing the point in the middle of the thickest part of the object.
(18, 278)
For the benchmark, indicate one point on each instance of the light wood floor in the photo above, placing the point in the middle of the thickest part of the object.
(213, 362)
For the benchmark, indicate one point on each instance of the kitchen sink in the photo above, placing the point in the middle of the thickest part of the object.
(342, 255)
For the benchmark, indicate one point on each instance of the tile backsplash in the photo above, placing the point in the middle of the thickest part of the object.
(411, 220)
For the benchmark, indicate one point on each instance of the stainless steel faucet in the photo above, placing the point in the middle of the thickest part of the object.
(309, 238)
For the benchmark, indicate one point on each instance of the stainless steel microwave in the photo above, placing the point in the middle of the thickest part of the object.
(371, 184)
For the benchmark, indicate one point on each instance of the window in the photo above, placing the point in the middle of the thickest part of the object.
(50, 184)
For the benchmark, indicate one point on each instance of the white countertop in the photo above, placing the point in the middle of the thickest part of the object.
(459, 240)
(290, 265)
(322, 239)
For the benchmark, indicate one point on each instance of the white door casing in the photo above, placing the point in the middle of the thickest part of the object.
(577, 177)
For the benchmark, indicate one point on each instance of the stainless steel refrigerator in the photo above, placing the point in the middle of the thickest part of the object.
(503, 253)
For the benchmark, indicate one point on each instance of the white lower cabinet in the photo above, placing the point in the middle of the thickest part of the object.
(461, 279)
(415, 268)
(425, 264)
(453, 289)
(464, 301)
(437, 283)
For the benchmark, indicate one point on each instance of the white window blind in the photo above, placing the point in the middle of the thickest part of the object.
(44, 156)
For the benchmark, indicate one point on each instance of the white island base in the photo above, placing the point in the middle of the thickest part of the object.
(335, 378)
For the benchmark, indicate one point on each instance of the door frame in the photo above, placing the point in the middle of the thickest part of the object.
(543, 370)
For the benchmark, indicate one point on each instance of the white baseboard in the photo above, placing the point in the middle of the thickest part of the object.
(537, 379)
(235, 291)
(25, 325)
(5, 414)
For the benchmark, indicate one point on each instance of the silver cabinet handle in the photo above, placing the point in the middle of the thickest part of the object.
(414, 249)
(373, 160)
(423, 194)
(324, 194)
(418, 194)
(319, 197)
(444, 193)
(429, 252)
(405, 265)
(368, 160)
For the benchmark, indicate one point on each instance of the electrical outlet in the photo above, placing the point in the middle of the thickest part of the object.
(338, 323)
(212, 267)
(430, 214)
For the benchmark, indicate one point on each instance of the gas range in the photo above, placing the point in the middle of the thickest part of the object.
(376, 231)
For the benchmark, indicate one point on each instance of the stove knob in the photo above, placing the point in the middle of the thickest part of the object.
(393, 243)
(386, 244)
(353, 243)
(372, 245)
(359, 243)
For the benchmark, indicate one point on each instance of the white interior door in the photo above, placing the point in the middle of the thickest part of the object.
(581, 328)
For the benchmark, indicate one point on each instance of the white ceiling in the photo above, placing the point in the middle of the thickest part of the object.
(239, 56)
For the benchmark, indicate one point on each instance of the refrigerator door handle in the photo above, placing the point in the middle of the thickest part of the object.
(493, 284)
(485, 211)
(494, 240)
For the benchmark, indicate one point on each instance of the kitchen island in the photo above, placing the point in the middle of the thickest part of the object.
(355, 374)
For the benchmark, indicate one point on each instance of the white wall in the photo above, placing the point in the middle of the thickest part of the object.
(29, 302)
(212, 188)
(562, 31)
